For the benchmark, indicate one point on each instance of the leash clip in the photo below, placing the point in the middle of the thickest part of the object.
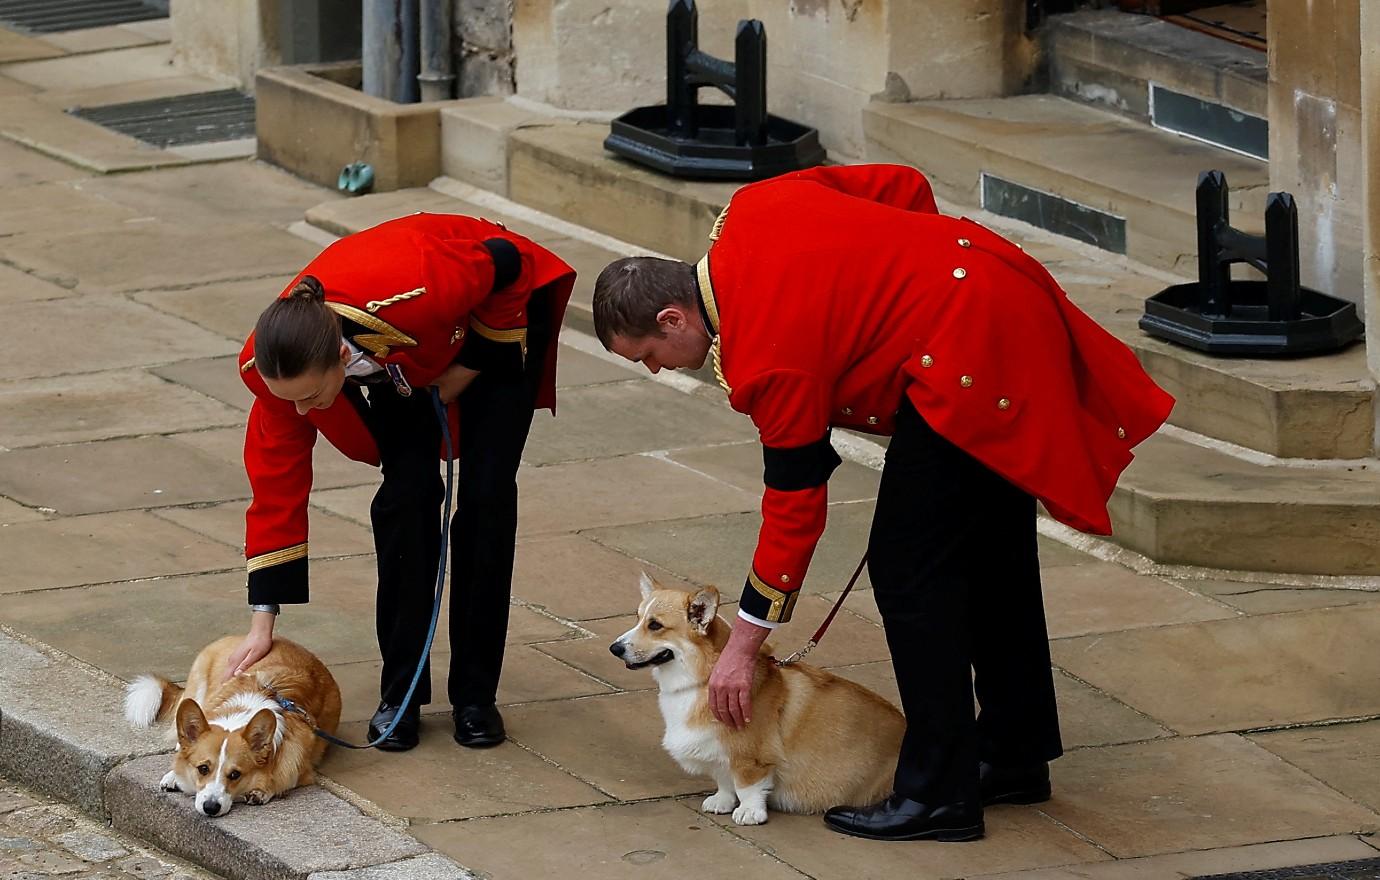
(796, 656)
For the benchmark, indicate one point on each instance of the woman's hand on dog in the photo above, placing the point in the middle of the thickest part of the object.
(730, 684)
(255, 646)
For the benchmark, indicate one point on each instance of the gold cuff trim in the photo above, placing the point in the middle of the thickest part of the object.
(718, 224)
(248, 365)
(374, 305)
(517, 334)
(277, 557)
(384, 337)
(782, 604)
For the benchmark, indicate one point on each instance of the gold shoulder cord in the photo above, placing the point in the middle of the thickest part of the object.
(712, 308)
(375, 304)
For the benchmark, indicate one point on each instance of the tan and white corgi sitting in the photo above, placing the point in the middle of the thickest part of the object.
(235, 741)
(815, 740)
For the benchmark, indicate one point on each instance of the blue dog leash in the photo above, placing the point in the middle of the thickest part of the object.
(290, 706)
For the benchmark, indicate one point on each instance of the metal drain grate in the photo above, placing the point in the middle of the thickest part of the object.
(50, 16)
(187, 119)
(1365, 869)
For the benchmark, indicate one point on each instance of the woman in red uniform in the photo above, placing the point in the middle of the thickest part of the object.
(349, 351)
(842, 297)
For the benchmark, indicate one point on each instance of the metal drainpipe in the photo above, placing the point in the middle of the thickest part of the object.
(436, 79)
(390, 41)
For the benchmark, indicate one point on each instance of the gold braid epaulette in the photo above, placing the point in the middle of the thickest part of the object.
(719, 367)
(375, 304)
(719, 224)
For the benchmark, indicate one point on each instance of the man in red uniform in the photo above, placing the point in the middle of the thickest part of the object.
(841, 297)
(348, 351)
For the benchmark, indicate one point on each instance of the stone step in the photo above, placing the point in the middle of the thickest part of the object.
(1070, 168)
(1203, 85)
(1179, 502)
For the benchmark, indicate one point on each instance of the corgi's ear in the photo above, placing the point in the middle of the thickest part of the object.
(191, 722)
(703, 606)
(260, 732)
(647, 585)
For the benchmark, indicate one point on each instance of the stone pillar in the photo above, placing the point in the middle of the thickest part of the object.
(225, 39)
(1370, 179)
(484, 63)
(1315, 135)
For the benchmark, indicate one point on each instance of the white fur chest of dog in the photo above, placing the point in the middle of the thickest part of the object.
(695, 747)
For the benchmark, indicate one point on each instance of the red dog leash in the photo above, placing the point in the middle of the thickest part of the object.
(819, 633)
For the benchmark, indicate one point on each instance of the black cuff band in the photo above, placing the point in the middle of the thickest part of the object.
(765, 602)
(507, 261)
(282, 584)
(801, 467)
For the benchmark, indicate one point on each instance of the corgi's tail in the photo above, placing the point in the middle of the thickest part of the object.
(150, 698)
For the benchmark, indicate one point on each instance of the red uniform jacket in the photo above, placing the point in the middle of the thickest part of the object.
(838, 290)
(416, 294)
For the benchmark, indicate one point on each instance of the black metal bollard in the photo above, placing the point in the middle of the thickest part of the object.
(1223, 316)
(685, 139)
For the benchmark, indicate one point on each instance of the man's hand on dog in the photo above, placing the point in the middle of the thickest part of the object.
(730, 685)
(255, 646)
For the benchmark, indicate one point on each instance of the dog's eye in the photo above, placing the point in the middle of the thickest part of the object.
(233, 775)
(654, 625)
(203, 769)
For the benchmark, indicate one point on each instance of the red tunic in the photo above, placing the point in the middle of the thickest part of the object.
(838, 290)
(409, 292)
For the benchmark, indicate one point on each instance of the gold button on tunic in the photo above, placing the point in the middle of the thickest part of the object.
(966, 381)
(960, 272)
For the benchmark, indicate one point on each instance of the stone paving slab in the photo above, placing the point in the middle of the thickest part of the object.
(11, 513)
(101, 406)
(227, 192)
(218, 378)
(1258, 857)
(1017, 837)
(16, 47)
(94, 549)
(120, 36)
(574, 369)
(1074, 606)
(440, 780)
(226, 308)
(591, 655)
(602, 421)
(427, 867)
(1237, 674)
(612, 741)
(50, 207)
(117, 258)
(82, 479)
(35, 121)
(305, 831)
(1341, 755)
(41, 838)
(21, 167)
(680, 546)
(19, 287)
(44, 743)
(575, 578)
(100, 333)
(1257, 598)
(1194, 793)
(649, 841)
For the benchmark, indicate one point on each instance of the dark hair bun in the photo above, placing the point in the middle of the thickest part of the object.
(309, 288)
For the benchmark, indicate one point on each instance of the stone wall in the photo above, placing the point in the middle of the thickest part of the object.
(225, 39)
(1315, 135)
(484, 61)
(827, 58)
(1370, 183)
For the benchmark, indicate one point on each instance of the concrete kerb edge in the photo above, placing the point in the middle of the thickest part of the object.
(43, 746)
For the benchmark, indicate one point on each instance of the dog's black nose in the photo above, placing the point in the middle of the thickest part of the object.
(617, 649)
(211, 808)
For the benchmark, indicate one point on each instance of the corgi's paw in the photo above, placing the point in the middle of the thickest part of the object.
(258, 796)
(169, 782)
(720, 802)
(749, 815)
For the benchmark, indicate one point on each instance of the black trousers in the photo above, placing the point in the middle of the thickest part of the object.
(956, 575)
(495, 417)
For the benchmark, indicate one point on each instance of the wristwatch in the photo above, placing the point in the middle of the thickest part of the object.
(271, 609)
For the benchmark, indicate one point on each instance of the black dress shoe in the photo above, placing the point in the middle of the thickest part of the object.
(404, 736)
(478, 727)
(1014, 784)
(900, 818)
